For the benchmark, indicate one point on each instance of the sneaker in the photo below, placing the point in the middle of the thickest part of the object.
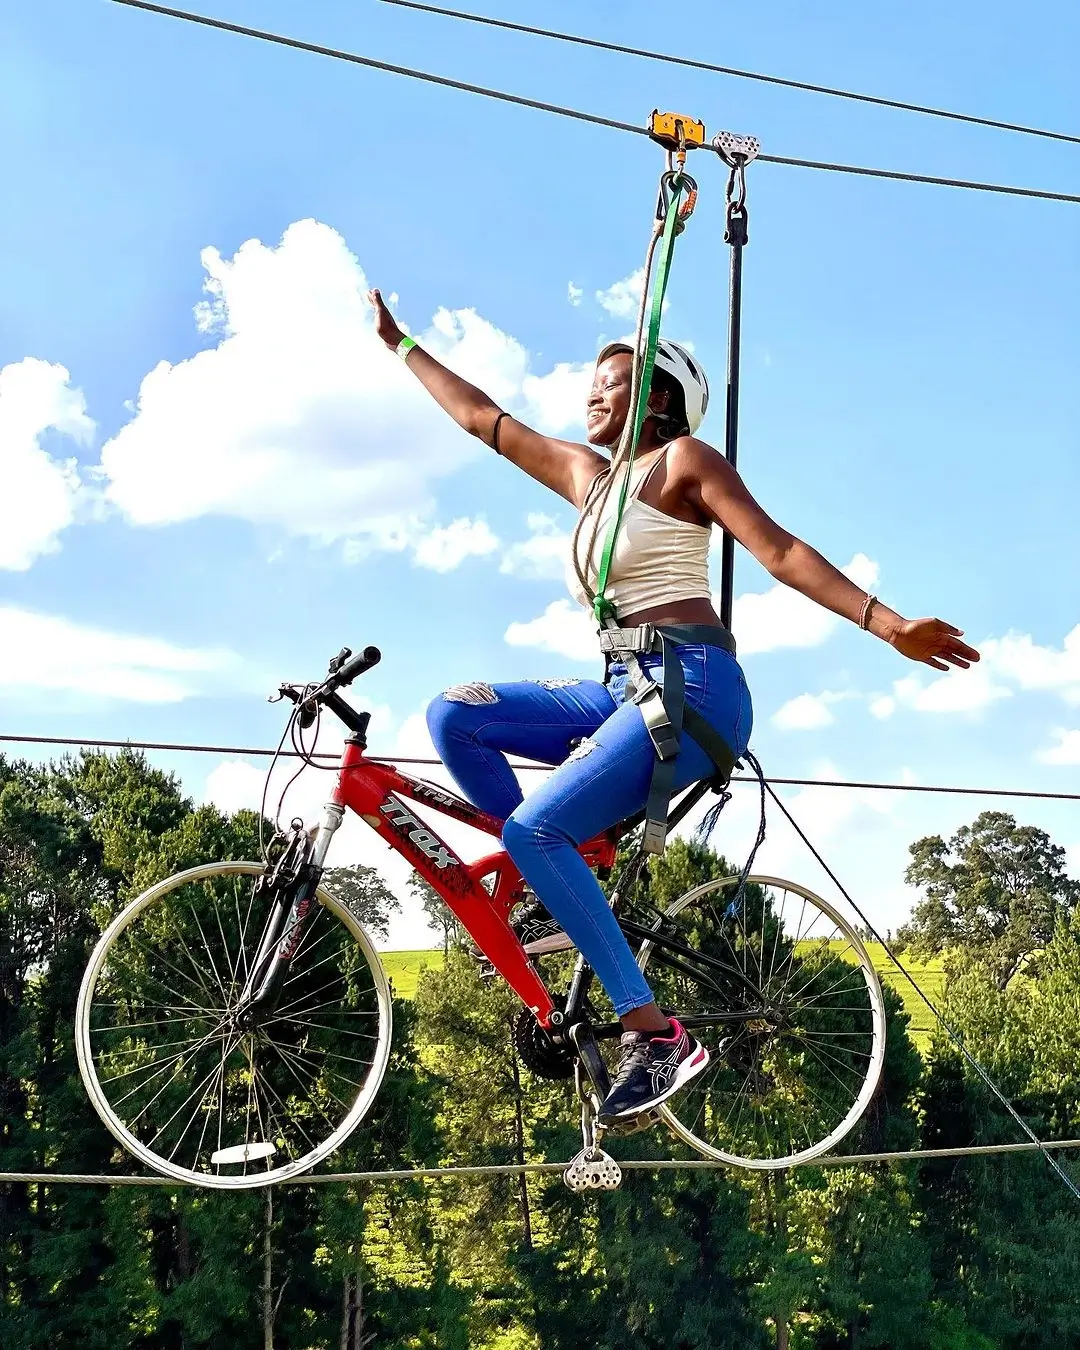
(651, 1068)
(537, 931)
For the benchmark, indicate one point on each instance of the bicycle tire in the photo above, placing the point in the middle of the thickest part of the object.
(147, 948)
(828, 1044)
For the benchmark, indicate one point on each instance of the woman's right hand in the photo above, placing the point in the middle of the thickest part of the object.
(385, 324)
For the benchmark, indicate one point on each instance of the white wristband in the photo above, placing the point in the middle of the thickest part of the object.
(405, 346)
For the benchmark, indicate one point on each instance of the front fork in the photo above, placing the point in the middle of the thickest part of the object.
(295, 895)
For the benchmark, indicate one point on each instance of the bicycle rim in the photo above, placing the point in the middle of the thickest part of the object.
(173, 1076)
(787, 1083)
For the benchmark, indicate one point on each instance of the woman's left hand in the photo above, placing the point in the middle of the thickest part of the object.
(933, 642)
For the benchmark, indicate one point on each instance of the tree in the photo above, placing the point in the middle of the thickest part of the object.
(1003, 1230)
(366, 894)
(995, 890)
(434, 906)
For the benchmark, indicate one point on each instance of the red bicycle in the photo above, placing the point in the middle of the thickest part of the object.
(233, 1023)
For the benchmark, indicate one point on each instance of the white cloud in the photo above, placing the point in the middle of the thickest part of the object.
(957, 691)
(555, 402)
(563, 628)
(621, 300)
(808, 711)
(543, 555)
(1015, 659)
(574, 293)
(1018, 657)
(298, 417)
(40, 493)
(44, 652)
(780, 617)
(1066, 751)
(447, 547)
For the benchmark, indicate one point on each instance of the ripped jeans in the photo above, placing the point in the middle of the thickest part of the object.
(602, 781)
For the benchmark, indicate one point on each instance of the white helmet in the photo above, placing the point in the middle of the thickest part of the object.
(677, 362)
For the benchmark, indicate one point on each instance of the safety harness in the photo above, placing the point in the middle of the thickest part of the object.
(663, 707)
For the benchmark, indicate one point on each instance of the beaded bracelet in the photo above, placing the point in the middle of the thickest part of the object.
(864, 614)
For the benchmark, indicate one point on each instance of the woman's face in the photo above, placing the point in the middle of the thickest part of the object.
(609, 400)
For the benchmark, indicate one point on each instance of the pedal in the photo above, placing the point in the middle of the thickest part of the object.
(557, 942)
(592, 1170)
(632, 1125)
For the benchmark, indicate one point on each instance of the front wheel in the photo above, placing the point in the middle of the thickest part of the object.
(782, 992)
(192, 1089)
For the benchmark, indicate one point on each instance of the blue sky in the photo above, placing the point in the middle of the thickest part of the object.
(909, 404)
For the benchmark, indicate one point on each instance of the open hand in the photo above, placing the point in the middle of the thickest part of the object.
(934, 642)
(385, 325)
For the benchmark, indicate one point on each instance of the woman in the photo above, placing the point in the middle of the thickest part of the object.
(597, 737)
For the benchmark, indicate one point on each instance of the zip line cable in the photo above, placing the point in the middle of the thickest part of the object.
(519, 1169)
(954, 1035)
(483, 91)
(260, 751)
(691, 64)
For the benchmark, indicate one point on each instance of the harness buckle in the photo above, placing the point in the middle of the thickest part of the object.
(639, 640)
(663, 735)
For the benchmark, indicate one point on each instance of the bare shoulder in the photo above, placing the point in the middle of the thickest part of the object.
(691, 460)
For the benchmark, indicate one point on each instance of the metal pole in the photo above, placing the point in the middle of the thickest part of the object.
(736, 236)
(736, 151)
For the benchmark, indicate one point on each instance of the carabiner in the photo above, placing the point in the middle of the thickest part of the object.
(673, 182)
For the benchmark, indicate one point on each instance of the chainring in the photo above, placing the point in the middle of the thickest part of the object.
(538, 1051)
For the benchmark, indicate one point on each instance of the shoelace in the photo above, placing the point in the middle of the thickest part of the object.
(635, 1051)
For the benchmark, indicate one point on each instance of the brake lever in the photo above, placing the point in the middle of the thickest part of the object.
(285, 691)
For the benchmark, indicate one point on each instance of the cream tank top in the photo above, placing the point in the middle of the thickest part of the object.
(657, 559)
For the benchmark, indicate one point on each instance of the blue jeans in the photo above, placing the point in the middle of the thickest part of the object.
(596, 785)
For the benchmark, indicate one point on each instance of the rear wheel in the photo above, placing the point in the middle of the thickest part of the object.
(181, 1081)
(795, 1067)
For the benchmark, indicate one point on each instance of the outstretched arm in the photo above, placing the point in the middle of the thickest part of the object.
(563, 466)
(716, 490)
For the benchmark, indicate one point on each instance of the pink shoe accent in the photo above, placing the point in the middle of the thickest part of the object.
(676, 1032)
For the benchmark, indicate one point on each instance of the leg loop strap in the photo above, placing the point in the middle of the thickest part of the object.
(665, 712)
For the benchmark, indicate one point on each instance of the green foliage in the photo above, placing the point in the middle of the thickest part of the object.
(999, 901)
(952, 1255)
(366, 894)
(439, 916)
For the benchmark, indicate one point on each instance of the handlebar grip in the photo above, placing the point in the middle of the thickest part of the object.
(356, 665)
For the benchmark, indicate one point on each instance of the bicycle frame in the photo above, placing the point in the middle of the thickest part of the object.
(378, 792)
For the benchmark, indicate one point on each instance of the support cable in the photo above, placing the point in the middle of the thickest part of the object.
(558, 110)
(691, 64)
(261, 751)
(953, 1034)
(519, 1169)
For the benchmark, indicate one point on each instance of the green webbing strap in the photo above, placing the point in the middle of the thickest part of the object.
(602, 608)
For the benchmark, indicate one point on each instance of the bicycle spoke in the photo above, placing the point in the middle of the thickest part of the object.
(243, 926)
(166, 1059)
(225, 947)
(209, 955)
(148, 953)
(201, 1088)
(161, 1064)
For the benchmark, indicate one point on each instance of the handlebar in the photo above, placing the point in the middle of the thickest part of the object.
(343, 670)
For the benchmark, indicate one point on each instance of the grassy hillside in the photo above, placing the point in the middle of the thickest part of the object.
(404, 968)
